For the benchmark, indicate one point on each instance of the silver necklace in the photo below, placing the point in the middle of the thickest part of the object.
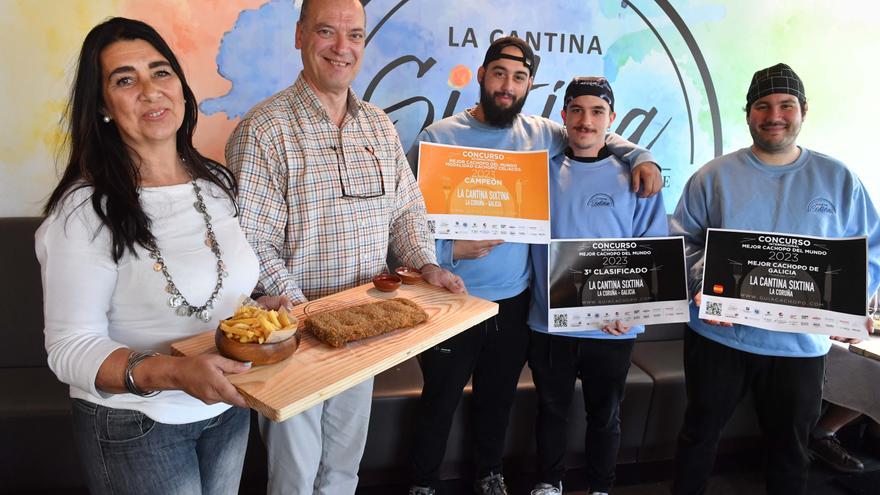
(181, 306)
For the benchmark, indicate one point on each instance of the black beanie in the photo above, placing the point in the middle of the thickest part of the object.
(777, 79)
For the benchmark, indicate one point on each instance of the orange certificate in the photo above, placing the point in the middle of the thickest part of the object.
(478, 194)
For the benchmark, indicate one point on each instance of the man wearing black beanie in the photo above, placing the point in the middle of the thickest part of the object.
(772, 186)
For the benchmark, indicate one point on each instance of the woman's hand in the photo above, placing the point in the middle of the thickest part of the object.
(200, 376)
(203, 377)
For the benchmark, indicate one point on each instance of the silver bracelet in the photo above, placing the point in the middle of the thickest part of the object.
(134, 359)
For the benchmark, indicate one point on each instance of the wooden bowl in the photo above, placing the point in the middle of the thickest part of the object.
(255, 353)
(386, 282)
(408, 275)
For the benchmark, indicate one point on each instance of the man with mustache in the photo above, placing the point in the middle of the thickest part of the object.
(772, 186)
(600, 358)
(493, 352)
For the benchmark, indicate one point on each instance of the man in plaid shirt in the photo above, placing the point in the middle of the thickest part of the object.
(325, 190)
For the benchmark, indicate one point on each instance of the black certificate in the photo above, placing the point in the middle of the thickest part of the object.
(787, 283)
(593, 282)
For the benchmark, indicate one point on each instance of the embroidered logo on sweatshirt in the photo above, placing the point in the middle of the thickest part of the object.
(821, 205)
(600, 200)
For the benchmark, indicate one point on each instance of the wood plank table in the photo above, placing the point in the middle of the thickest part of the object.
(317, 371)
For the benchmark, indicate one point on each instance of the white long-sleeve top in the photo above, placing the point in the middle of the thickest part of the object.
(93, 306)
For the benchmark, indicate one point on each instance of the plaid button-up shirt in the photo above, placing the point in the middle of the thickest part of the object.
(321, 204)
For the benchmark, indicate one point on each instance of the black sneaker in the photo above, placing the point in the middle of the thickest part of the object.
(829, 451)
(490, 485)
(421, 490)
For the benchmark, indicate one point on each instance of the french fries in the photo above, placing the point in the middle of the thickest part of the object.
(252, 324)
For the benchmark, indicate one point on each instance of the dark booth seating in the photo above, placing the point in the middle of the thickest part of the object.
(36, 444)
(37, 449)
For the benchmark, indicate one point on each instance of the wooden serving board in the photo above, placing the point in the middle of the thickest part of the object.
(869, 348)
(316, 371)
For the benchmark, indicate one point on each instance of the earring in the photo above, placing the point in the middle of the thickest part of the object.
(107, 119)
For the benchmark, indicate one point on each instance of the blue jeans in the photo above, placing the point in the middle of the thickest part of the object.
(124, 451)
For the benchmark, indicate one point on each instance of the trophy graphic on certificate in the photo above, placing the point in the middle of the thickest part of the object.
(655, 283)
(736, 271)
(826, 289)
(578, 278)
(447, 191)
(518, 196)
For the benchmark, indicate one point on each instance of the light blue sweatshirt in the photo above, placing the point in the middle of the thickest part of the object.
(574, 216)
(816, 195)
(505, 271)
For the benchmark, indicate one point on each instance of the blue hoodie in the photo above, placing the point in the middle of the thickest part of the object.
(572, 184)
(738, 191)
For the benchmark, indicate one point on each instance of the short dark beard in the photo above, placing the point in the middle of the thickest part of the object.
(772, 148)
(497, 116)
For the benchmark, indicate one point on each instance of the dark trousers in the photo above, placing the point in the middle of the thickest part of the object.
(602, 365)
(788, 397)
(494, 353)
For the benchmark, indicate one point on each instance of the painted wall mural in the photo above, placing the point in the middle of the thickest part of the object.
(679, 69)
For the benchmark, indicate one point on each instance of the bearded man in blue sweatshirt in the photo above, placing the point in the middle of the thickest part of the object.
(772, 186)
(494, 351)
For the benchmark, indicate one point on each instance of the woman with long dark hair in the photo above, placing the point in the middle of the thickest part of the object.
(140, 248)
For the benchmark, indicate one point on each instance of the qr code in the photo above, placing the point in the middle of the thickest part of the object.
(713, 308)
(432, 226)
(560, 321)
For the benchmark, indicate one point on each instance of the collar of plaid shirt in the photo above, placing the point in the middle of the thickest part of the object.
(303, 94)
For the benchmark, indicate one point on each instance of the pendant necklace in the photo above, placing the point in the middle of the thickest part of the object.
(177, 301)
